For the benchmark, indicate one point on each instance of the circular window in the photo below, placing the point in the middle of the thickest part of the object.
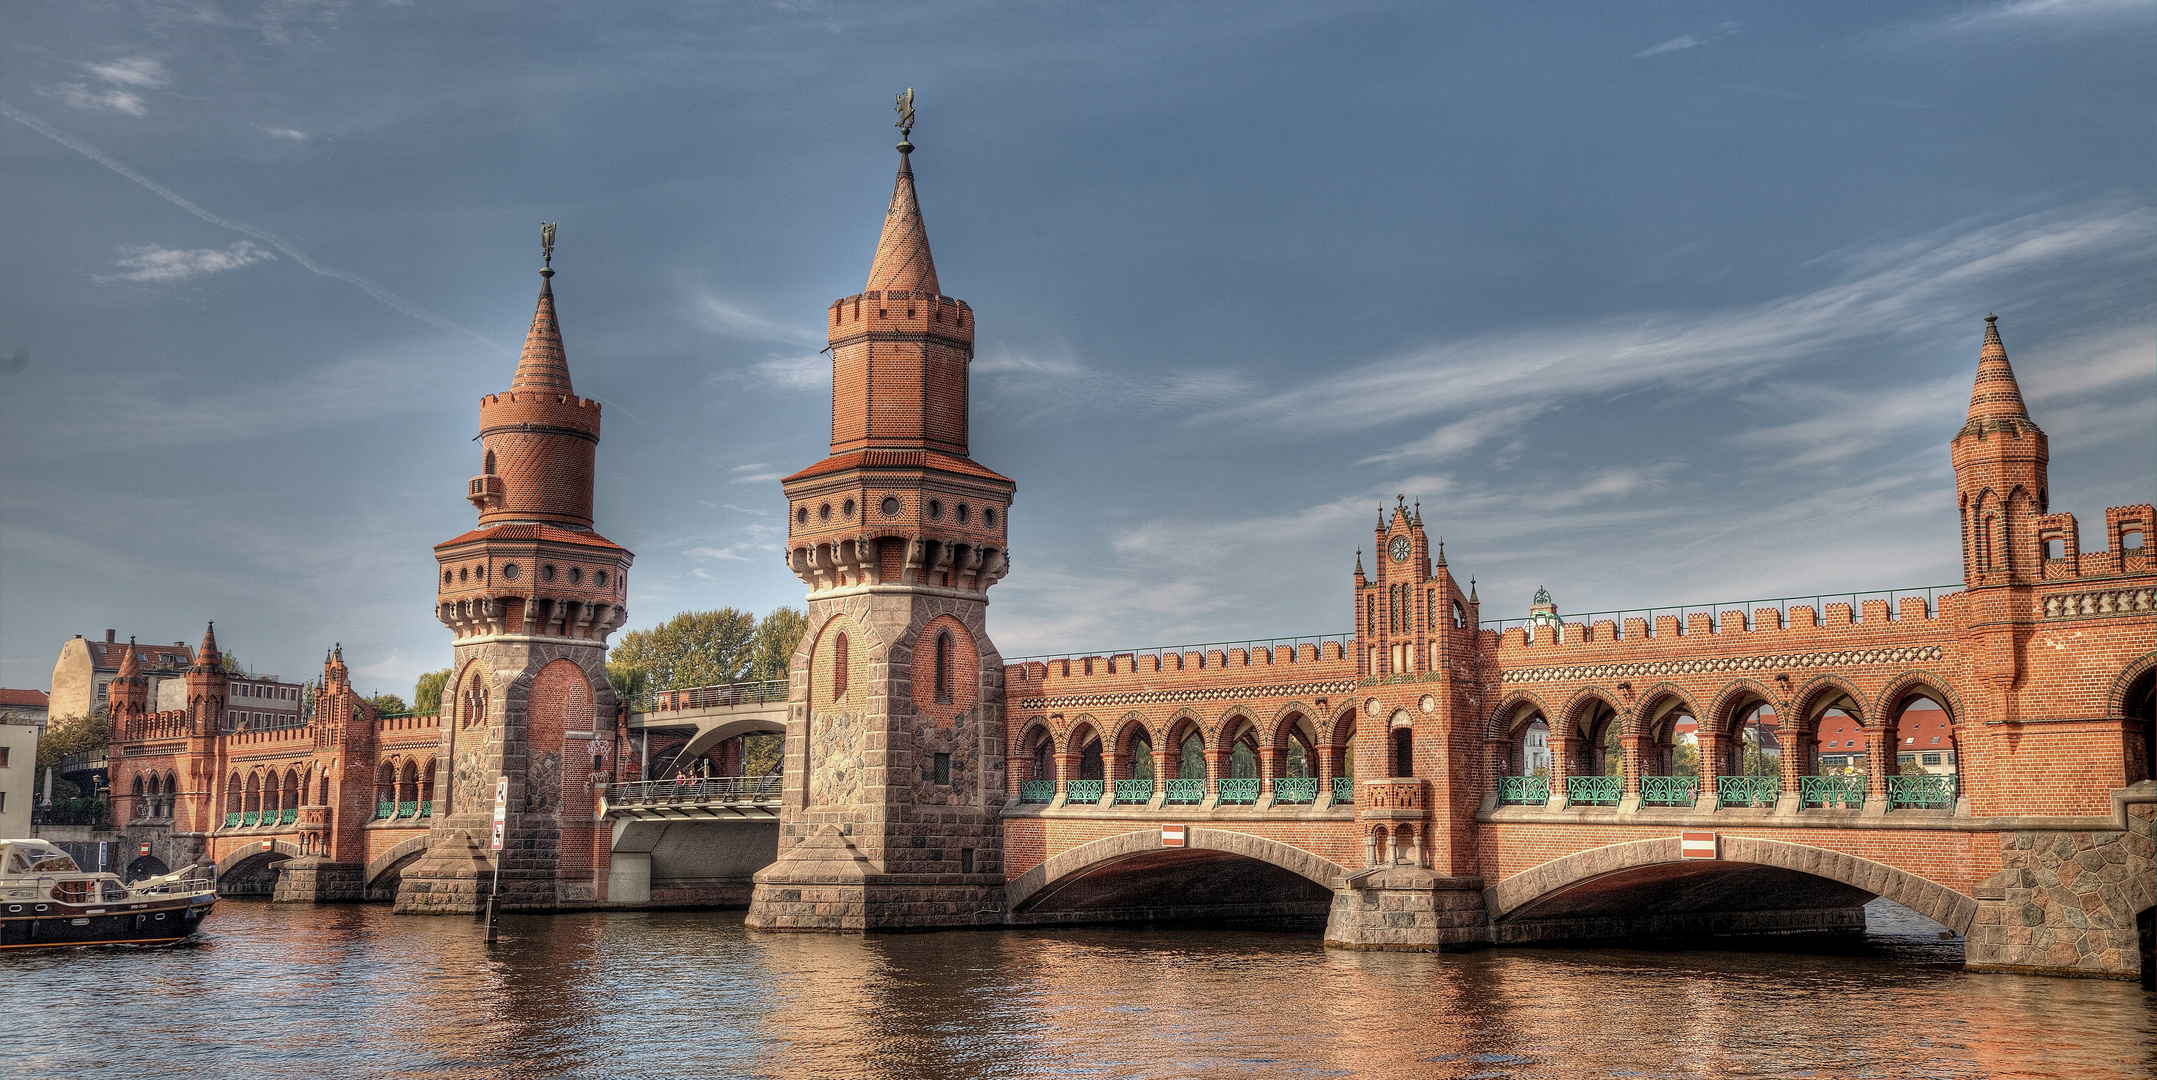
(963, 513)
(848, 509)
(823, 513)
(802, 515)
(601, 579)
(988, 516)
(576, 575)
(464, 574)
(890, 506)
(936, 509)
(1428, 704)
(447, 577)
(509, 570)
(546, 573)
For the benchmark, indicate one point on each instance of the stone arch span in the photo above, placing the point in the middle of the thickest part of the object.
(396, 858)
(1034, 887)
(247, 871)
(1520, 895)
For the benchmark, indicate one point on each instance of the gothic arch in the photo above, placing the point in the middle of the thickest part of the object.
(1293, 708)
(1917, 682)
(1653, 700)
(1128, 728)
(1725, 708)
(2116, 702)
(1817, 691)
(1504, 718)
(1085, 857)
(1930, 899)
(1577, 707)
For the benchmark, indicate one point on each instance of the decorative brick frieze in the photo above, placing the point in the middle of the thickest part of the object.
(1917, 654)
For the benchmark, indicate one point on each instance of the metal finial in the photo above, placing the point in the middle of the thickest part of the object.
(546, 244)
(905, 124)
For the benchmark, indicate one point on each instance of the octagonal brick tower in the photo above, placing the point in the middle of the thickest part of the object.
(895, 757)
(531, 595)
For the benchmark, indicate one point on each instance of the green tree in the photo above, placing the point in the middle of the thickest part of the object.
(776, 637)
(760, 753)
(631, 686)
(1685, 760)
(694, 648)
(427, 695)
(64, 736)
(384, 704)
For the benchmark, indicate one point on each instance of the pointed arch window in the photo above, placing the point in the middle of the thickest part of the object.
(490, 463)
(943, 668)
(839, 664)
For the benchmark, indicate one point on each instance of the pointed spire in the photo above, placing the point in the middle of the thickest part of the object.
(1471, 591)
(1441, 551)
(130, 666)
(543, 366)
(1359, 562)
(209, 644)
(903, 263)
(1996, 396)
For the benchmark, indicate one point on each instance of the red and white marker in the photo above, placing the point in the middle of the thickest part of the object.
(1172, 836)
(1697, 845)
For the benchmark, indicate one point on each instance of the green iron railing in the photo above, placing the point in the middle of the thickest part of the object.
(251, 817)
(385, 809)
(232, 820)
(1083, 792)
(1847, 792)
(1134, 789)
(1669, 790)
(1185, 792)
(1931, 791)
(1344, 790)
(1748, 790)
(1593, 790)
(426, 809)
(1295, 790)
(1523, 790)
(288, 815)
(408, 809)
(1239, 790)
(1037, 790)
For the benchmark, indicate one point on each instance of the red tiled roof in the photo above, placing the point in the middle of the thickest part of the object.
(528, 531)
(34, 699)
(897, 459)
(106, 655)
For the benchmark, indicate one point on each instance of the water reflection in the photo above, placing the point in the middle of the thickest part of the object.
(301, 991)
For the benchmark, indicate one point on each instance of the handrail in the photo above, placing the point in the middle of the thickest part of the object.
(1716, 609)
(1204, 646)
(707, 789)
(706, 697)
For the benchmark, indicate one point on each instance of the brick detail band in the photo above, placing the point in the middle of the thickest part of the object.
(1852, 658)
(1224, 693)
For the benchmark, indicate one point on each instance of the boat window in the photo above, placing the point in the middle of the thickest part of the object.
(54, 862)
(18, 863)
(71, 892)
(115, 892)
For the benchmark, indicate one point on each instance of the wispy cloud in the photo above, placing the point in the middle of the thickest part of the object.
(148, 262)
(2053, 14)
(1901, 287)
(729, 318)
(294, 134)
(1688, 41)
(1032, 381)
(811, 372)
(133, 71)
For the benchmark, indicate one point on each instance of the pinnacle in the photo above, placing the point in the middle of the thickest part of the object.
(903, 263)
(1996, 395)
(129, 665)
(543, 366)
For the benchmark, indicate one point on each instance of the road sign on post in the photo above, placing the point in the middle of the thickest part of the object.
(494, 892)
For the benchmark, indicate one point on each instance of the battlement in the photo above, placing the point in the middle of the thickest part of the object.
(408, 722)
(1321, 660)
(900, 311)
(2126, 549)
(1760, 627)
(513, 407)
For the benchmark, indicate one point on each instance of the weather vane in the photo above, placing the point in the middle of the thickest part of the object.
(546, 243)
(905, 109)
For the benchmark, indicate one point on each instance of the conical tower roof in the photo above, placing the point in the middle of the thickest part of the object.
(1996, 396)
(543, 366)
(902, 261)
(130, 665)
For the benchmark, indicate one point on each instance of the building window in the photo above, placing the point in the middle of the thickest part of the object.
(943, 668)
(963, 513)
(838, 666)
(509, 570)
(943, 770)
(1931, 759)
(3, 757)
(936, 509)
(890, 506)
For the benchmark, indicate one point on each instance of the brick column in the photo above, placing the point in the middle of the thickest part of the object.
(1269, 767)
(1635, 758)
(1712, 753)
(1880, 746)
(1562, 749)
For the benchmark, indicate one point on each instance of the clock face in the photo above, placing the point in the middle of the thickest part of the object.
(1400, 549)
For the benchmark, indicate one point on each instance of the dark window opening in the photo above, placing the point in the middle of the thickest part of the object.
(943, 668)
(943, 770)
(1404, 756)
(838, 666)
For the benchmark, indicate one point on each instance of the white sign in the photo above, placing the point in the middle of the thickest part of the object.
(497, 845)
(1696, 845)
(1172, 836)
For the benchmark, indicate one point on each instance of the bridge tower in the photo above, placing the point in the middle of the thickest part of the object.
(531, 595)
(895, 744)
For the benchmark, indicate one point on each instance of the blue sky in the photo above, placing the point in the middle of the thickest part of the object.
(1648, 303)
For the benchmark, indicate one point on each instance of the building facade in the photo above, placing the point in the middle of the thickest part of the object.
(86, 668)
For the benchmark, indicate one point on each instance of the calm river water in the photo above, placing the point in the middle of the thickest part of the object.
(301, 991)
